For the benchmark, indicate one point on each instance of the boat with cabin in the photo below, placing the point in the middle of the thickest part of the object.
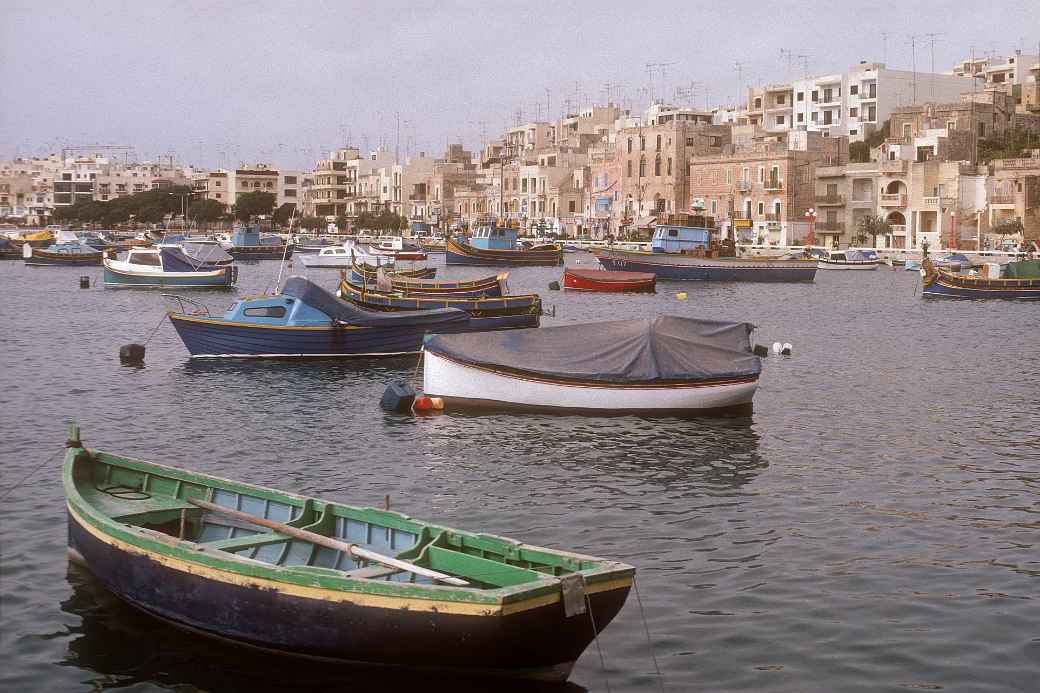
(332, 257)
(302, 576)
(610, 282)
(165, 267)
(494, 246)
(850, 259)
(1015, 280)
(662, 365)
(305, 320)
(685, 247)
(66, 251)
(251, 243)
(395, 247)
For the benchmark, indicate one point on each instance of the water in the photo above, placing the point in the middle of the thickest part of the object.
(872, 526)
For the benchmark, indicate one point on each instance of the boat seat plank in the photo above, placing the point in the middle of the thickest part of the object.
(130, 502)
(239, 543)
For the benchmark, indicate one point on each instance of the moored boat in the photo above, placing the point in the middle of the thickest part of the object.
(249, 243)
(303, 576)
(361, 270)
(305, 320)
(9, 250)
(667, 364)
(492, 246)
(607, 281)
(332, 257)
(684, 248)
(1017, 280)
(529, 305)
(396, 248)
(67, 251)
(850, 260)
(420, 282)
(154, 268)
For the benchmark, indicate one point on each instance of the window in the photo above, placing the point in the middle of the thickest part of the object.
(673, 233)
(729, 175)
(872, 113)
(629, 145)
(758, 102)
(801, 96)
(853, 112)
(853, 132)
(827, 117)
(629, 173)
(658, 143)
(714, 207)
(761, 174)
(290, 180)
(801, 117)
(570, 206)
(746, 177)
(815, 116)
(815, 96)
(265, 312)
(828, 95)
(642, 143)
(776, 209)
(523, 185)
(906, 131)
(951, 124)
(779, 120)
(780, 100)
(642, 168)
(669, 166)
(290, 192)
(217, 182)
(761, 208)
(657, 166)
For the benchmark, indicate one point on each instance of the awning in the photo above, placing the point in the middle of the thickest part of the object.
(645, 222)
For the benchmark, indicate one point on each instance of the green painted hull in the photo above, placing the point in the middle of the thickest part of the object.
(131, 525)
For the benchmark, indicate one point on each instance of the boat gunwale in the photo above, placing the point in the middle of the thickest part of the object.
(358, 295)
(503, 599)
(791, 263)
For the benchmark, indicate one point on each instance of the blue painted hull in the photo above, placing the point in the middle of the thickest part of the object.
(38, 260)
(941, 289)
(223, 280)
(687, 268)
(215, 337)
(464, 254)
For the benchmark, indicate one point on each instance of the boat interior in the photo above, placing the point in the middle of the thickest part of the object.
(152, 499)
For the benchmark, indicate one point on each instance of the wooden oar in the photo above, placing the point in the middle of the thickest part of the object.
(330, 543)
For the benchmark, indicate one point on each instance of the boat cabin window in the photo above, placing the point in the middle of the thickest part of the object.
(145, 259)
(265, 312)
(673, 233)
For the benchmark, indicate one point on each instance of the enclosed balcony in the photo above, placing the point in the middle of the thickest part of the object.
(893, 200)
(833, 200)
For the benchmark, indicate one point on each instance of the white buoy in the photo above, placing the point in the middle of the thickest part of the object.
(777, 346)
(786, 351)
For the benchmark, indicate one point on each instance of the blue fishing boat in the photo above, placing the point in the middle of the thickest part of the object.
(495, 246)
(166, 267)
(684, 248)
(250, 243)
(306, 320)
(9, 250)
(67, 251)
(1017, 280)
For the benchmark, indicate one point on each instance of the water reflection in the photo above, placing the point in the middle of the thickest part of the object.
(125, 646)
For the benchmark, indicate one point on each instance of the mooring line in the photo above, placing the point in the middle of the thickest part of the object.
(33, 471)
(154, 330)
(595, 638)
(646, 629)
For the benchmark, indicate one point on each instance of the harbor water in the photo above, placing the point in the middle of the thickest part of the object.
(874, 525)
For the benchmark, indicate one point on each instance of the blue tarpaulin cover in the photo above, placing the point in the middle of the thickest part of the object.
(667, 348)
(317, 297)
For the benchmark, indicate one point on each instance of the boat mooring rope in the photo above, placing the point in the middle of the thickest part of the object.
(649, 642)
(595, 638)
(154, 329)
(28, 476)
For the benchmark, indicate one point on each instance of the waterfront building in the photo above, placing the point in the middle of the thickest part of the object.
(1013, 192)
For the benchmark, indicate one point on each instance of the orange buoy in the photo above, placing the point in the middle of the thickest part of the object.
(423, 403)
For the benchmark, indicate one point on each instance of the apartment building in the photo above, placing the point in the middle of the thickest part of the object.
(770, 108)
(1013, 192)
(987, 114)
(1011, 74)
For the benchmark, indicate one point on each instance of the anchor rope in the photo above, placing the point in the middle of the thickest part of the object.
(154, 329)
(28, 476)
(595, 639)
(646, 629)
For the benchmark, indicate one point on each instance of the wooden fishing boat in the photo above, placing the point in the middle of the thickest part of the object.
(165, 267)
(684, 248)
(370, 273)
(249, 243)
(603, 280)
(1017, 280)
(68, 251)
(496, 246)
(305, 320)
(302, 576)
(850, 260)
(667, 364)
(432, 245)
(9, 250)
(529, 305)
(410, 282)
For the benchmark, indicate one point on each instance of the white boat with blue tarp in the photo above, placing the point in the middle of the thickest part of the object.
(667, 364)
(850, 259)
(685, 248)
(167, 267)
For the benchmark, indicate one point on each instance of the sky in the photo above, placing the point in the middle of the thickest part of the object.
(225, 83)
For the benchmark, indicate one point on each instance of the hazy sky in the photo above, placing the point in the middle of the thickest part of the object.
(220, 83)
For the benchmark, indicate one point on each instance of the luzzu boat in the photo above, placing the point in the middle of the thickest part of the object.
(166, 267)
(306, 320)
(492, 246)
(361, 270)
(1017, 280)
(302, 576)
(663, 365)
(421, 282)
(508, 311)
(8, 249)
(683, 249)
(67, 251)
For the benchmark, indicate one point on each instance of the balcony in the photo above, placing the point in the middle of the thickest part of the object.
(893, 200)
(836, 200)
(417, 197)
(773, 185)
(893, 166)
(931, 202)
(830, 227)
(743, 185)
(862, 202)
(1002, 199)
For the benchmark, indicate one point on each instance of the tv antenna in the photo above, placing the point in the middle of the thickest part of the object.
(660, 68)
(931, 40)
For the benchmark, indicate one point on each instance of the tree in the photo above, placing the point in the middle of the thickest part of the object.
(871, 226)
(251, 204)
(1009, 227)
(341, 222)
(284, 213)
(206, 211)
(312, 223)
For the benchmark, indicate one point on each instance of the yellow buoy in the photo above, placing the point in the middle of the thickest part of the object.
(681, 295)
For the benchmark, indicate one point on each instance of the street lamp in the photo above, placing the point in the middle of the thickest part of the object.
(811, 217)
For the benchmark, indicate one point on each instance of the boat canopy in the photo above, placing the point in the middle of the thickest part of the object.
(1023, 269)
(320, 299)
(193, 257)
(859, 255)
(667, 348)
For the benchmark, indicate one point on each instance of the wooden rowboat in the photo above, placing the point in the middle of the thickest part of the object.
(413, 283)
(527, 304)
(603, 280)
(371, 272)
(302, 576)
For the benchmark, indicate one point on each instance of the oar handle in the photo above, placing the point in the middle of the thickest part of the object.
(329, 542)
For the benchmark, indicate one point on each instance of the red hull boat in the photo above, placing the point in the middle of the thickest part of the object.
(603, 280)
